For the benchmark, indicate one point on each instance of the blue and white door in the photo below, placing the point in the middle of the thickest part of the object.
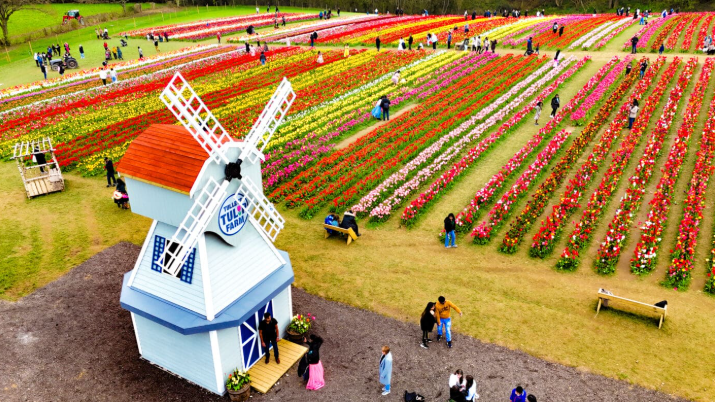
(250, 340)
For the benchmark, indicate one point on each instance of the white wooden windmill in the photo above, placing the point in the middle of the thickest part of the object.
(208, 269)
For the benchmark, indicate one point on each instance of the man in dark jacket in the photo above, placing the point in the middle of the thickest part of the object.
(109, 167)
(449, 225)
(561, 31)
(409, 42)
(377, 43)
(634, 42)
(385, 106)
(555, 103)
(40, 159)
(268, 332)
(349, 222)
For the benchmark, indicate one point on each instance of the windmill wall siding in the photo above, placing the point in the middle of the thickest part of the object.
(171, 289)
(236, 269)
(158, 203)
(188, 356)
(230, 349)
(282, 310)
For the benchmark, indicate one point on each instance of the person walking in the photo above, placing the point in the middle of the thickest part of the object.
(385, 107)
(555, 103)
(529, 48)
(268, 332)
(561, 30)
(109, 167)
(443, 309)
(114, 52)
(386, 370)
(449, 235)
(119, 53)
(156, 45)
(141, 54)
(409, 42)
(346, 52)
(661, 49)
(644, 66)
(449, 40)
(629, 67)
(479, 44)
(434, 41)
(633, 113)
(427, 322)
(113, 75)
(537, 112)
(263, 58)
(494, 45)
(377, 43)
(555, 28)
(218, 37)
(518, 395)
(314, 374)
(103, 76)
(43, 69)
(634, 42)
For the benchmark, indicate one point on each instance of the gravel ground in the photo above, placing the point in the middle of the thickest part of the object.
(71, 341)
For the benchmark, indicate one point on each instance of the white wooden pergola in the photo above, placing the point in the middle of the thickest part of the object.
(39, 179)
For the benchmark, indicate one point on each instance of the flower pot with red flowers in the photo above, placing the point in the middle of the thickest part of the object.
(298, 328)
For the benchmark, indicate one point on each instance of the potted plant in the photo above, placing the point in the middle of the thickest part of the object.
(299, 327)
(238, 385)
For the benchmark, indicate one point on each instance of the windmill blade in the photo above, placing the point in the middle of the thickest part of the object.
(261, 211)
(193, 114)
(272, 116)
(206, 203)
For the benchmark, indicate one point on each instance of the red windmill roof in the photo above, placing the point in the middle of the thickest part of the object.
(166, 155)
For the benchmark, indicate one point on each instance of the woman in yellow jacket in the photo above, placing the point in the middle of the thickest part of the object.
(442, 311)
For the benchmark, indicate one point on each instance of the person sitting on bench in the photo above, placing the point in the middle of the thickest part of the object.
(332, 220)
(349, 222)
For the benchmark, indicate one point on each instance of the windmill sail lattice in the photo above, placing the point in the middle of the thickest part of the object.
(268, 122)
(261, 211)
(193, 114)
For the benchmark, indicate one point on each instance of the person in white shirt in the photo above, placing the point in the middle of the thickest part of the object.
(457, 379)
(633, 113)
(471, 387)
(103, 76)
(401, 45)
(113, 75)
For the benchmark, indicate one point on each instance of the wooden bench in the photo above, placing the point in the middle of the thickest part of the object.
(349, 232)
(606, 299)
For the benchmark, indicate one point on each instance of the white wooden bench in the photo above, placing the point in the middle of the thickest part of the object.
(349, 232)
(606, 299)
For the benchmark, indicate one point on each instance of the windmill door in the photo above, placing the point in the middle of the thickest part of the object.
(250, 340)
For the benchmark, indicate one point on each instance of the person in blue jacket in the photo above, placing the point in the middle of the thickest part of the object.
(518, 395)
(332, 220)
(386, 370)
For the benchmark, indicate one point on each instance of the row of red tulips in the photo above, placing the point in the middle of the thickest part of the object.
(539, 200)
(549, 232)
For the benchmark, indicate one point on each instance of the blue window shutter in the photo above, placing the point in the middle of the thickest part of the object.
(187, 271)
(159, 244)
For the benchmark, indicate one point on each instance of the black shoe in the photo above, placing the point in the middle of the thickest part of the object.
(449, 345)
(439, 337)
(429, 340)
(268, 359)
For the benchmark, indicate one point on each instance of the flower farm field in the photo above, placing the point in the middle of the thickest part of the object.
(546, 214)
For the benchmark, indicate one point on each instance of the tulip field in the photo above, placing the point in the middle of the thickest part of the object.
(548, 207)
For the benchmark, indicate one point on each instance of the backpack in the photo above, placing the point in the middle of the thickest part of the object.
(413, 397)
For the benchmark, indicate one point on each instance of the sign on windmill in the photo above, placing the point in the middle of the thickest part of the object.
(208, 269)
(39, 175)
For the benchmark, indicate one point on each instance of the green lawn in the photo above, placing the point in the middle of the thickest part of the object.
(22, 69)
(25, 21)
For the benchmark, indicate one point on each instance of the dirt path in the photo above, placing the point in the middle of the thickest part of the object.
(70, 341)
(346, 142)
